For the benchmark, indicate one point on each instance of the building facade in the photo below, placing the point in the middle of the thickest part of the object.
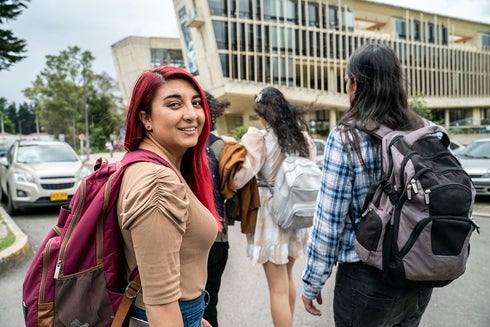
(134, 54)
(237, 47)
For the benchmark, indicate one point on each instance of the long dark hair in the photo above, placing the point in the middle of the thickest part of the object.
(285, 119)
(380, 96)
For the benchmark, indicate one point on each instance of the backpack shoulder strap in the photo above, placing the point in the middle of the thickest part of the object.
(143, 155)
(134, 286)
(380, 132)
(131, 291)
(217, 145)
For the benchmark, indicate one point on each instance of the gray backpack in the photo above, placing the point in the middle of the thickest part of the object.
(416, 223)
(294, 195)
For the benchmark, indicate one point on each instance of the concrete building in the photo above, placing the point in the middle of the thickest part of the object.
(133, 54)
(237, 47)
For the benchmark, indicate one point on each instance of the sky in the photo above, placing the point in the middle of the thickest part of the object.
(51, 26)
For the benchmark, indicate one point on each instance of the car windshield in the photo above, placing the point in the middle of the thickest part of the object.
(37, 153)
(477, 150)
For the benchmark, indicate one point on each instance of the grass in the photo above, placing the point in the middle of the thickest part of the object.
(8, 240)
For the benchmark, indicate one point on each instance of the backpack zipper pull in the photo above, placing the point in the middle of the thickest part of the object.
(366, 212)
(409, 191)
(426, 196)
(414, 186)
(57, 270)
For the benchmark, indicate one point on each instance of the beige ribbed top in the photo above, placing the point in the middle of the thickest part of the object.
(167, 232)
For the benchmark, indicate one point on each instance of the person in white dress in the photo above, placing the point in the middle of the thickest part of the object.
(273, 247)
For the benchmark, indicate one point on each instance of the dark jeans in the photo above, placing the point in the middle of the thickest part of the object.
(192, 311)
(362, 299)
(218, 255)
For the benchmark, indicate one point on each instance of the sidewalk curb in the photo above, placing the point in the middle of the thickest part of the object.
(15, 252)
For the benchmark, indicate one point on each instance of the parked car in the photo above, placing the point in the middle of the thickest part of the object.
(456, 147)
(39, 174)
(475, 159)
(3, 151)
(320, 150)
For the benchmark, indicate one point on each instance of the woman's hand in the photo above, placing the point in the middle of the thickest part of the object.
(310, 307)
(205, 323)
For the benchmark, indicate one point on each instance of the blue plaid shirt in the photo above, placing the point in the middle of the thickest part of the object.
(345, 183)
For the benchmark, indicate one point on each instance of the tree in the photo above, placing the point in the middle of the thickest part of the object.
(11, 47)
(5, 109)
(418, 104)
(27, 117)
(239, 131)
(67, 87)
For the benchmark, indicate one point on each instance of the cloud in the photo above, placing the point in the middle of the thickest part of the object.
(51, 26)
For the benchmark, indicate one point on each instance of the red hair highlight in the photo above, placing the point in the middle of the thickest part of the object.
(195, 168)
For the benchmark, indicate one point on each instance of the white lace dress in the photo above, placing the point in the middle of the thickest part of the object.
(269, 242)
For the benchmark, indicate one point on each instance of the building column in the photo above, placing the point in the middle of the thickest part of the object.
(476, 116)
(446, 118)
(332, 120)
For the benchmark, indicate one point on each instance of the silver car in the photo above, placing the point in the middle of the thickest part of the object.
(320, 152)
(475, 159)
(39, 174)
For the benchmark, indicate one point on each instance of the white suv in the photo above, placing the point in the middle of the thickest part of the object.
(39, 174)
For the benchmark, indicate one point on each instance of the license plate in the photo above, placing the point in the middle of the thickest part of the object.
(59, 196)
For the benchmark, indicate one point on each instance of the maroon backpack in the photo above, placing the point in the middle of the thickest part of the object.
(76, 276)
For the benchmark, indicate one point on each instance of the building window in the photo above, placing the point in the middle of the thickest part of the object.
(166, 57)
(444, 38)
(291, 11)
(348, 20)
(416, 30)
(243, 9)
(224, 64)
(332, 17)
(258, 38)
(218, 7)
(401, 28)
(221, 34)
(485, 40)
(311, 15)
(430, 33)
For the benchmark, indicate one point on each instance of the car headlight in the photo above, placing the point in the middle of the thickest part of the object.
(486, 175)
(23, 177)
(83, 172)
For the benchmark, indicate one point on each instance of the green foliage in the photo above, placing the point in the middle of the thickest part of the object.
(11, 47)
(26, 119)
(66, 89)
(5, 109)
(8, 240)
(418, 104)
(239, 131)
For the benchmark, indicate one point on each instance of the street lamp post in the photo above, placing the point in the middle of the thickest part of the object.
(86, 126)
(20, 128)
(85, 108)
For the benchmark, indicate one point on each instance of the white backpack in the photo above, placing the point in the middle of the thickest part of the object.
(294, 195)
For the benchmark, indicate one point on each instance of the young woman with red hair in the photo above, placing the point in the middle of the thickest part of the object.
(167, 216)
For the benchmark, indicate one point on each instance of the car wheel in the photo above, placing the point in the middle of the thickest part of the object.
(11, 210)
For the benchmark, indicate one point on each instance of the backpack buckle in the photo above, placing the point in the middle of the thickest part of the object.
(132, 289)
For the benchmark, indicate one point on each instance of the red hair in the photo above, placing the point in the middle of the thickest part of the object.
(195, 168)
